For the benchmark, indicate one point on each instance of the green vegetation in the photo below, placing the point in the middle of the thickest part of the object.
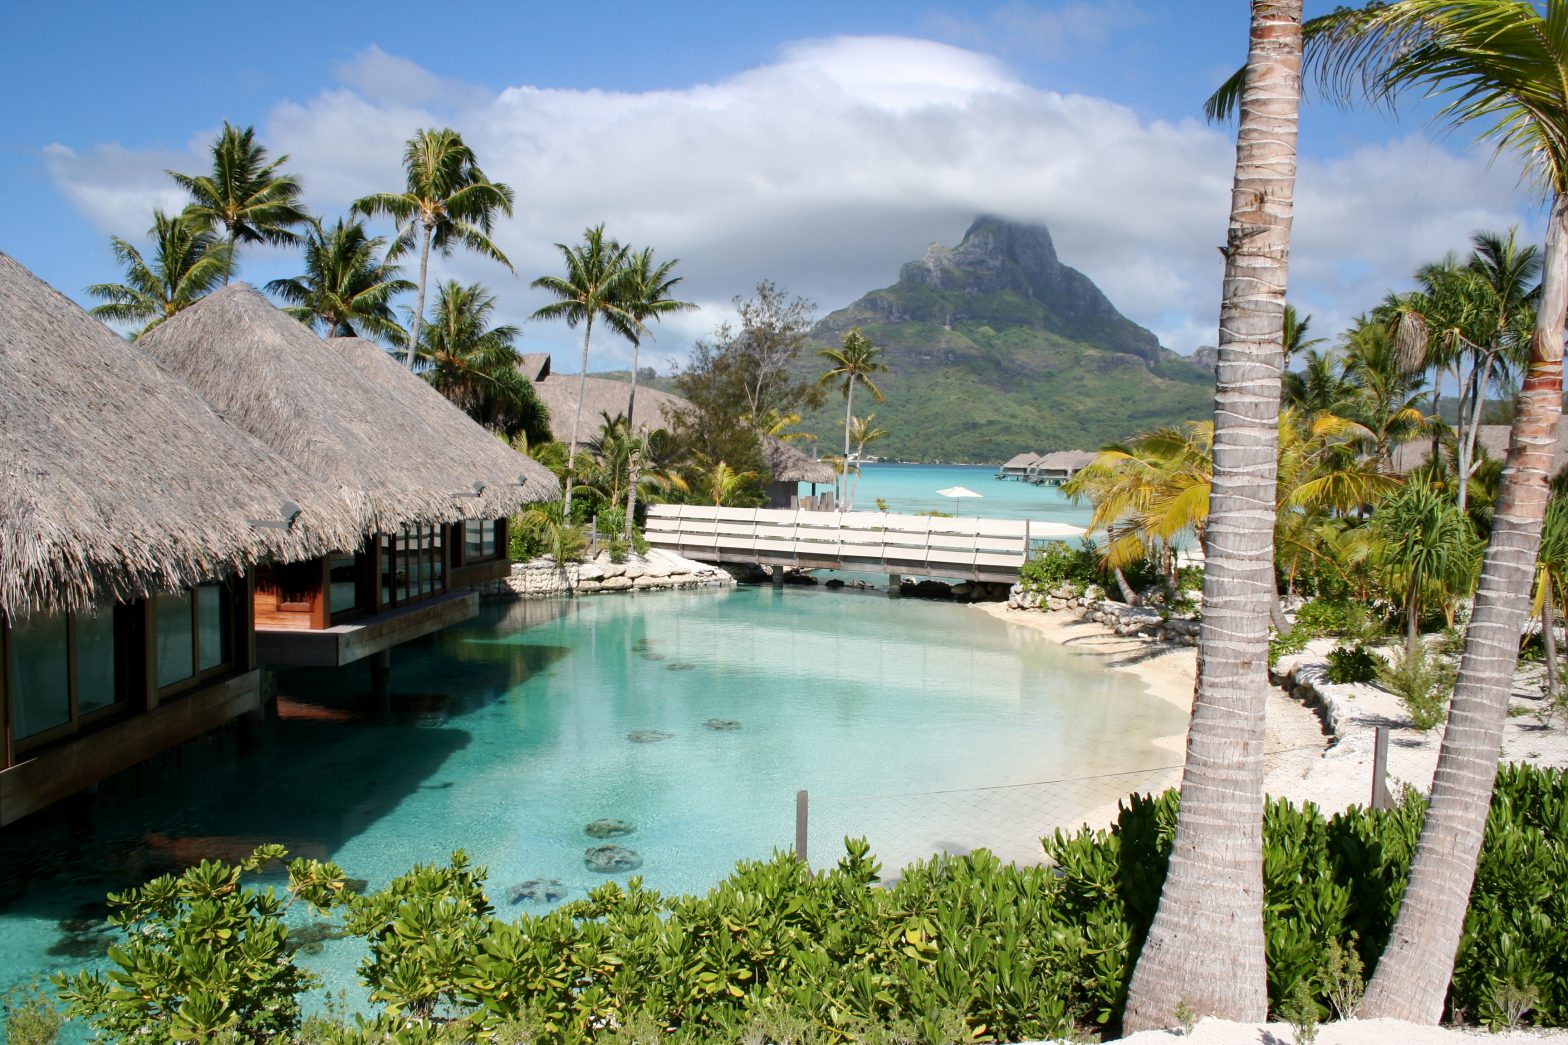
(956, 949)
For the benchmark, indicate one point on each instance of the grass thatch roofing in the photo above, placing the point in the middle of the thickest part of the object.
(1023, 460)
(558, 392)
(269, 375)
(1064, 460)
(1490, 439)
(511, 479)
(116, 480)
(790, 465)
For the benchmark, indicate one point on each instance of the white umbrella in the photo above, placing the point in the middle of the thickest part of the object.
(955, 492)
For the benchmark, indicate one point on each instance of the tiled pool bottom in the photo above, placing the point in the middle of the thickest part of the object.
(694, 717)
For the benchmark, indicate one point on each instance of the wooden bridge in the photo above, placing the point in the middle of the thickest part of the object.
(969, 549)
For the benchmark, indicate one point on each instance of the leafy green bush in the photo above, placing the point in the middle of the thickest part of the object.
(1423, 682)
(28, 1016)
(1056, 564)
(1281, 645)
(957, 949)
(1352, 664)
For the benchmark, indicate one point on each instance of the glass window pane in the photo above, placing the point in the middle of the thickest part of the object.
(492, 538)
(342, 584)
(422, 558)
(40, 683)
(95, 678)
(438, 558)
(473, 540)
(402, 566)
(388, 567)
(175, 642)
(213, 613)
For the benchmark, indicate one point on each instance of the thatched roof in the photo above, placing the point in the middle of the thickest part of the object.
(511, 479)
(558, 392)
(1064, 460)
(1023, 460)
(116, 480)
(1490, 439)
(269, 375)
(790, 465)
(535, 366)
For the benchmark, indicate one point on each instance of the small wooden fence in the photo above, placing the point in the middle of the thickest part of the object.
(872, 542)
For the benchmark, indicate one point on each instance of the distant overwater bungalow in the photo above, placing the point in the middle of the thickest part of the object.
(228, 492)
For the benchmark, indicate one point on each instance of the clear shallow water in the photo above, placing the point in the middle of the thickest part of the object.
(910, 488)
(506, 736)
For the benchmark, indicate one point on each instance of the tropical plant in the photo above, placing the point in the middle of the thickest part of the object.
(854, 362)
(725, 484)
(1551, 575)
(247, 197)
(188, 262)
(1423, 682)
(204, 956)
(1425, 552)
(348, 284)
(595, 287)
(447, 202)
(475, 366)
(863, 431)
(1206, 943)
(544, 529)
(649, 291)
(1386, 401)
(1501, 65)
(1320, 386)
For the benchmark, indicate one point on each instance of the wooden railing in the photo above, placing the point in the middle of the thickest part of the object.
(873, 542)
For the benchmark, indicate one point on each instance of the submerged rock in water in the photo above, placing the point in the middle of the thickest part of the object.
(308, 939)
(84, 937)
(653, 656)
(609, 828)
(648, 736)
(722, 725)
(681, 665)
(537, 890)
(611, 859)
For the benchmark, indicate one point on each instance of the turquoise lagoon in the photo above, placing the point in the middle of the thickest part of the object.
(507, 735)
(910, 488)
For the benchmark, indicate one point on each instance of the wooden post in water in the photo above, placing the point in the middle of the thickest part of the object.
(802, 802)
(1381, 799)
(894, 583)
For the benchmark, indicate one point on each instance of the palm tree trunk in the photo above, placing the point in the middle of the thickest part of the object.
(228, 262)
(1467, 442)
(1205, 947)
(1129, 596)
(1412, 620)
(577, 420)
(1412, 979)
(631, 397)
(631, 490)
(419, 304)
(849, 414)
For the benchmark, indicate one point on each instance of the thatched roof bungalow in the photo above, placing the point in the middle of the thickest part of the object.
(1054, 469)
(788, 467)
(601, 396)
(130, 514)
(1017, 467)
(430, 489)
(1491, 441)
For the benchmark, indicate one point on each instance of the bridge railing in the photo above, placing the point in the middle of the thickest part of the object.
(871, 541)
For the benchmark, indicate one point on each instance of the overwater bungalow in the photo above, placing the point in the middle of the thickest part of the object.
(131, 520)
(1017, 467)
(430, 489)
(1054, 469)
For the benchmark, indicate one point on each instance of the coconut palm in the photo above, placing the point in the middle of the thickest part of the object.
(1320, 386)
(188, 262)
(594, 288)
(649, 295)
(1425, 553)
(1205, 946)
(854, 362)
(864, 431)
(1501, 65)
(724, 483)
(348, 284)
(1551, 579)
(448, 202)
(1387, 401)
(1296, 339)
(475, 365)
(252, 200)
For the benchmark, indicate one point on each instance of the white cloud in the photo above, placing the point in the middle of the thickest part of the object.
(829, 167)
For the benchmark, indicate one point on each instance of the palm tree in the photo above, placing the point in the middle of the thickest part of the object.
(1296, 340)
(1502, 65)
(855, 361)
(447, 202)
(724, 482)
(649, 295)
(1425, 551)
(1387, 399)
(475, 366)
(252, 200)
(864, 431)
(1551, 578)
(594, 287)
(348, 284)
(189, 261)
(1320, 386)
(1205, 946)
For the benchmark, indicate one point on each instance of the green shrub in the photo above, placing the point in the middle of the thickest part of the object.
(28, 1016)
(1352, 664)
(958, 948)
(1423, 682)
(1281, 645)
(1058, 563)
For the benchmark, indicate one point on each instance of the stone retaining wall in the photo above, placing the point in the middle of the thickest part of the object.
(659, 570)
(1118, 616)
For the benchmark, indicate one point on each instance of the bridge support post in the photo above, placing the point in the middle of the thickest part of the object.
(778, 576)
(894, 582)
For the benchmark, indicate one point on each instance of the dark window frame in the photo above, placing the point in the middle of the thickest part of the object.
(199, 677)
(75, 722)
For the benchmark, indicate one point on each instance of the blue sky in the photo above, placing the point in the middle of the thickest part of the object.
(816, 144)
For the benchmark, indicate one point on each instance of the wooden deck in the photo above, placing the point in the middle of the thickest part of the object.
(970, 549)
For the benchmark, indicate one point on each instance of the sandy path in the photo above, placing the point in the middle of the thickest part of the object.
(1349, 1032)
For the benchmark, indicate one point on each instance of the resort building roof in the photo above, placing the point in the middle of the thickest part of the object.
(266, 373)
(601, 395)
(1071, 460)
(511, 479)
(1020, 461)
(791, 465)
(118, 479)
(1490, 439)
